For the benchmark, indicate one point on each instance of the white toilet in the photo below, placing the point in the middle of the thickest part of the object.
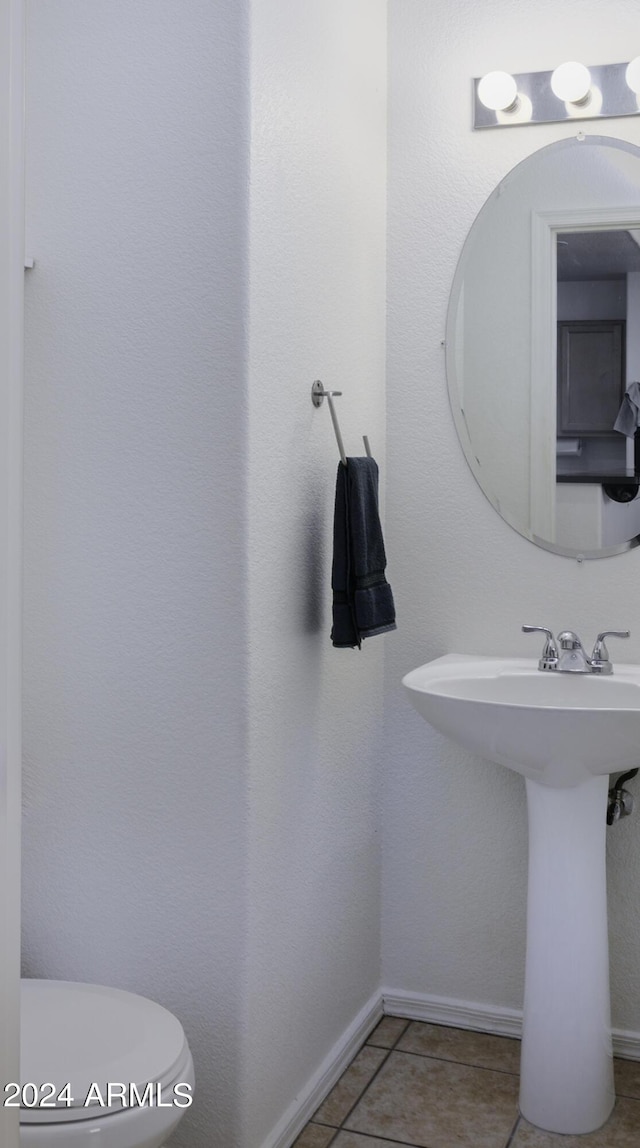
(125, 1059)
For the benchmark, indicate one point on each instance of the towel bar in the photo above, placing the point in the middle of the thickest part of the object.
(318, 395)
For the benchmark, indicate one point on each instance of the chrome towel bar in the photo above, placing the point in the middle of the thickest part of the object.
(318, 395)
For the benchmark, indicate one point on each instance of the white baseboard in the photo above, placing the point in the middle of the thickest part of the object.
(626, 1044)
(482, 1018)
(454, 1013)
(319, 1086)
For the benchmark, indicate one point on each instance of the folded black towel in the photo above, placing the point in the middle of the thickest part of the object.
(362, 598)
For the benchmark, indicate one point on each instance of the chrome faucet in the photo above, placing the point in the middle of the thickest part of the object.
(569, 657)
(572, 658)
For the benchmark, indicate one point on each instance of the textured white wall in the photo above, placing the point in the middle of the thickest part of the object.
(178, 525)
(317, 305)
(135, 473)
(454, 860)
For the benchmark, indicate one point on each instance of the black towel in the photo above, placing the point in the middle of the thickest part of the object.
(362, 598)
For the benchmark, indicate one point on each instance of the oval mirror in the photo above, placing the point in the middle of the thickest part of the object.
(543, 347)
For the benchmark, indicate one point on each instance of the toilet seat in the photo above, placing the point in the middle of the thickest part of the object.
(88, 1035)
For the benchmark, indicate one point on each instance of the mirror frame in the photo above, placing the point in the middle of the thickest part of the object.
(546, 225)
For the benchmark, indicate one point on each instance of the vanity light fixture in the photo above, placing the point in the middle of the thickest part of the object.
(570, 91)
(498, 91)
(571, 82)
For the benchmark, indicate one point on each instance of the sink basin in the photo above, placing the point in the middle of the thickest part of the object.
(556, 728)
(565, 733)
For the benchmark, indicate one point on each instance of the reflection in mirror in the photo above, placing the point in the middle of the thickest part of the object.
(598, 311)
(543, 346)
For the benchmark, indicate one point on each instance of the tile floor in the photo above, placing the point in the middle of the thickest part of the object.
(415, 1085)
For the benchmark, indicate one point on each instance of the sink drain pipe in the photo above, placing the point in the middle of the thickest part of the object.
(620, 803)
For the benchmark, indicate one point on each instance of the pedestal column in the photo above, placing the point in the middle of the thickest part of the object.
(567, 1067)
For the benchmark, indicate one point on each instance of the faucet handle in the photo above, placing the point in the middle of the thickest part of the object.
(600, 656)
(549, 659)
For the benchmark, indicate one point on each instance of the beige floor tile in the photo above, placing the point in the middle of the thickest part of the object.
(314, 1136)
(387, 1032)
(350, 1086)
(437, 1104)
(627, 1077)
(622, 1130)
(354, 1140)
(477, 1048)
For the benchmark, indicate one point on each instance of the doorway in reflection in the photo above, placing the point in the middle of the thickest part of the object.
(598, 314)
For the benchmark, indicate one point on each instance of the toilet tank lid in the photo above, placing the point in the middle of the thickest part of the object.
(90, 1035)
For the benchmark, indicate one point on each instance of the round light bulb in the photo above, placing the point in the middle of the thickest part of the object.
(571, 82)
(632, 75)
(498, 91)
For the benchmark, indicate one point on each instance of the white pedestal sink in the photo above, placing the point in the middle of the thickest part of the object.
(565, 733)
